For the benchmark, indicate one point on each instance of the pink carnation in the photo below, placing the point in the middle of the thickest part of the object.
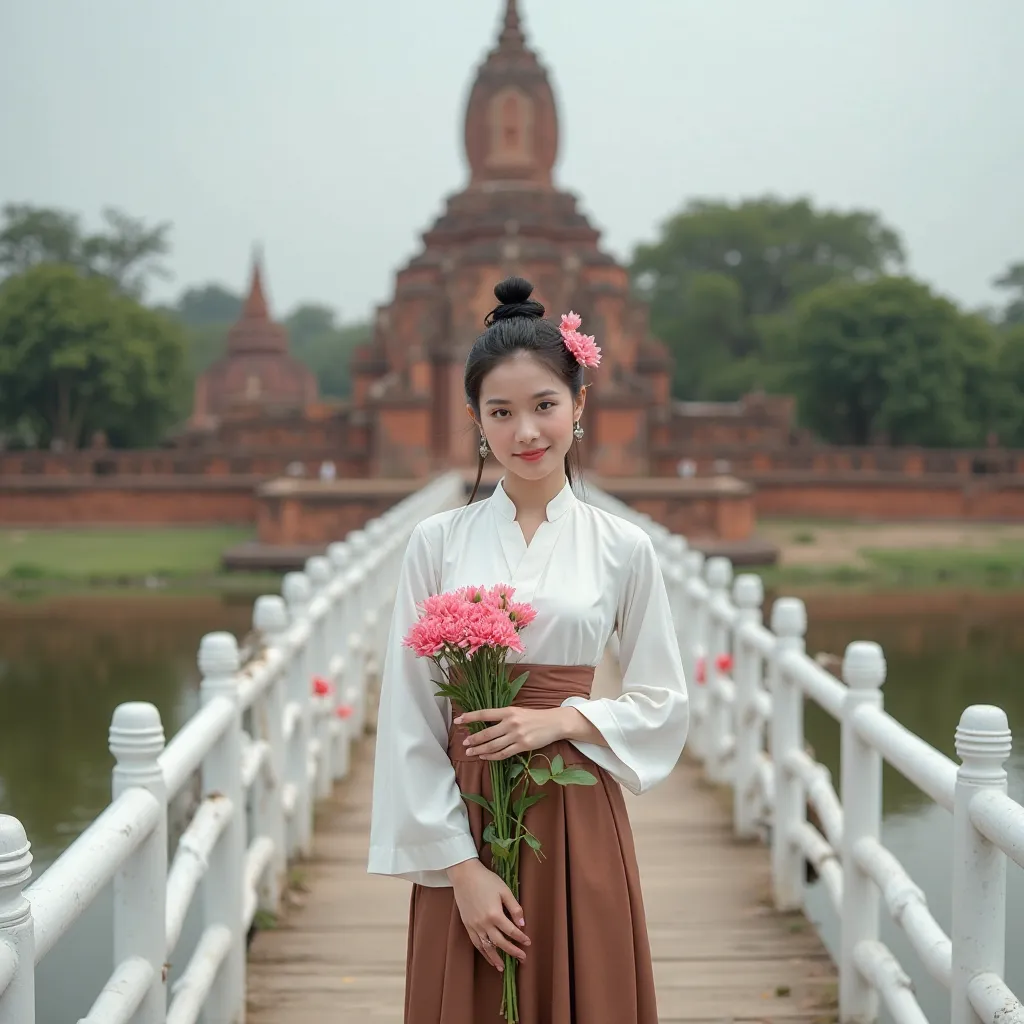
(582, 346)
(570, 321)
(521, 614)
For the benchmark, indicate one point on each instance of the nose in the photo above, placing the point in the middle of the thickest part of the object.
(526, 430)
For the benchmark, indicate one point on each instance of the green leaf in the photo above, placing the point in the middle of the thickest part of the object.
(532, 842)
(525, 802)
(489, 833)
(575, 777)
(516, 686)
(516, 770)
(500, 851)
(476, 798)
(540, 775)
(557, 764)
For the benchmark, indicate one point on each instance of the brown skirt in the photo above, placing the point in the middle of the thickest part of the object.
(589, 960)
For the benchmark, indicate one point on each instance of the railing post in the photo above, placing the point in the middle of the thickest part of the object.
(789, 623)
(356, 694)
(270, 617)
(224, 881)
(719, 576)
(318, 569)
(861, 788)
(983, 743)
(18, 1002)
(136, 740)
(300, 687)
(748, 593)
(695, 591)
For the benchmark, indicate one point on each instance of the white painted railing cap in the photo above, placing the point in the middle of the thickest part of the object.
(863, 665)
(136, 732)
(15, 853)
(694, 562)
(358, 541)
(218, 654)
(677, 546)
(718, 572)
(339, 553)
(270, 614)
(983, 735)
(748, 590)
(296, 589)
(318, 569)
(789, 617)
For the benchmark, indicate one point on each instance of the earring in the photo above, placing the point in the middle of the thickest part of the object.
(577, 431)
(485, 448)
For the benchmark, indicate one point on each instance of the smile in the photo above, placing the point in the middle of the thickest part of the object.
(532, 456)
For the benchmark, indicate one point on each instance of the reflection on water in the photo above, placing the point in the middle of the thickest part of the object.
(939, 660)
(65, 664)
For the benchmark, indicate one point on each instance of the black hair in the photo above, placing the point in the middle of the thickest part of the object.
(516, 325)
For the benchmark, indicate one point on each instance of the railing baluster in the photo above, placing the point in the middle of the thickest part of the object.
(861, 787)
(983, 743)
(295, 587)
(789, 623)
(719, 714)
(748, 593)
(17, 938)
(223, 897)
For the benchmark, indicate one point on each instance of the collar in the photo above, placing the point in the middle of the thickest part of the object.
(556, 507)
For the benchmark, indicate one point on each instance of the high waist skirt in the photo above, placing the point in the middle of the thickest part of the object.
(589, 960)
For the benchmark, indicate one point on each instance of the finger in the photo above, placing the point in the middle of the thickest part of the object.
(509, 928)
(489, 952)
(512, 907)
(502, 942)
(498, 743)
(499, 755)
(486, 735)
(487, 715)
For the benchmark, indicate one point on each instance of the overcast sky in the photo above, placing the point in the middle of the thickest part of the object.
(331, 130)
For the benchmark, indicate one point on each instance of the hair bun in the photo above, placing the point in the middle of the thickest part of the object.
(514, 295)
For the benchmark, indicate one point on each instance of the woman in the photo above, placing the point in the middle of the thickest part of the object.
(579, 932)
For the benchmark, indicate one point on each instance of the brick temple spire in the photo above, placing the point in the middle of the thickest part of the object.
(255, 331)
(511, 119)
(255, 307)
(511, 33)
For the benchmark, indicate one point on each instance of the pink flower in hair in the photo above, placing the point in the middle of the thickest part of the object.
(582, 346)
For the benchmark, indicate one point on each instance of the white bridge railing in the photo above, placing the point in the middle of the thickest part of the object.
(748, 688)
(270, 739)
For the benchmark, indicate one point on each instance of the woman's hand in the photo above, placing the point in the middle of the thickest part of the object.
(482, 898)
(517, 730)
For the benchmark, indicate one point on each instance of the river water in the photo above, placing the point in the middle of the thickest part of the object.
(66, 663)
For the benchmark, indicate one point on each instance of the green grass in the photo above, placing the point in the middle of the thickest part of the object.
(999, 566)
(96, 556)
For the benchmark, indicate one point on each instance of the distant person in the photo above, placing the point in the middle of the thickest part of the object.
(578, 929)
(327, 471)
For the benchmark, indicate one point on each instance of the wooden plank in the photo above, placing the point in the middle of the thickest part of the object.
(721, 953)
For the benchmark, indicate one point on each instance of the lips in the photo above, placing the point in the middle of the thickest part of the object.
(531, 456)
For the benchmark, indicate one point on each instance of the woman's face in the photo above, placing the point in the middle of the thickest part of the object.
(527, 414)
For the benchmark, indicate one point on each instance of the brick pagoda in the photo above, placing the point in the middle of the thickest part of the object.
(257, 374)
(510, 218)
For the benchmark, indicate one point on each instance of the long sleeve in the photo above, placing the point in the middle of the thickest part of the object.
(418, 823)
(646, 726)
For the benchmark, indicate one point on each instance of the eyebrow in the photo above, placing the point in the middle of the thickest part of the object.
(506, 401)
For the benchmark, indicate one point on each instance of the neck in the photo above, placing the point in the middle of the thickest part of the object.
(531, 497)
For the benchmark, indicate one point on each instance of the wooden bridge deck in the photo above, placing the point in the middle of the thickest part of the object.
(721, 953)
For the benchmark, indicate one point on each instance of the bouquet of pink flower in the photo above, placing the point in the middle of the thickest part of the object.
(469, 634)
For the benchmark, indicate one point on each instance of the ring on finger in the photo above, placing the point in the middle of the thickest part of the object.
(484, 941)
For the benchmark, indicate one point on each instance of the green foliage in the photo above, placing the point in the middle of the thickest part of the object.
(126, 252)
(325, 346)
(1012, 281)
(721, 275)
(77, 356)
(889, 362)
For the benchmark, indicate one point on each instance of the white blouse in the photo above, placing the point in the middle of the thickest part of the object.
(589, 574)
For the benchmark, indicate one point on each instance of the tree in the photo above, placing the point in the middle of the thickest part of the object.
(126, 252)
(325, 346)
(888, 361)
(771, 252)
(77, 356)
(1012, 281)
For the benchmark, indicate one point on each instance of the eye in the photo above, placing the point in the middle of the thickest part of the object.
(499, 413)
(544, 406)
